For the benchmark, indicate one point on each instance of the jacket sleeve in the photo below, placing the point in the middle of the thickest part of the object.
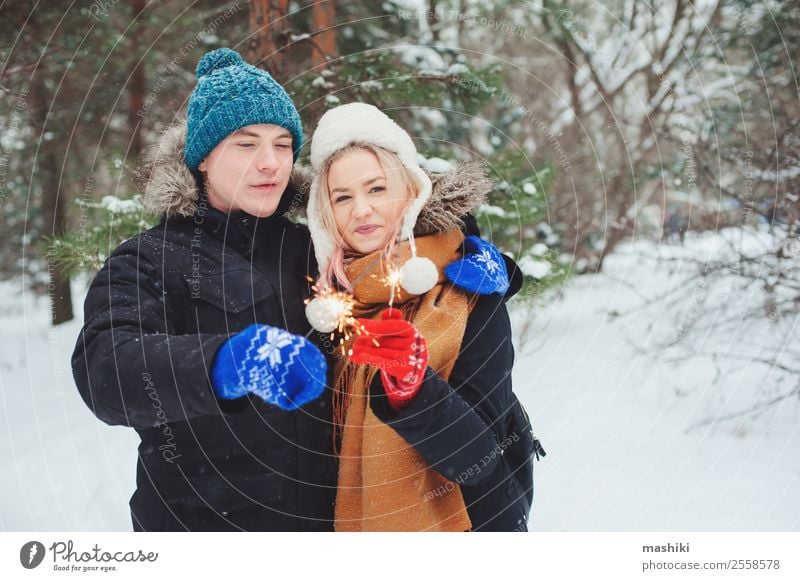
(458, 426)
(130, 366)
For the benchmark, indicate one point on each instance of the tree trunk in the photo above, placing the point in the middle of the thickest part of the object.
(324, 45)
(136, 94)
(433, 24)
(46, 172)
(268, 27)
(620, 228)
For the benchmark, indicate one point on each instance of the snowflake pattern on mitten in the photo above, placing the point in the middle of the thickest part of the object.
(280, 350)
(401, 391)
(282, 369)
(481, 270)
(418, 360)
(487, 259)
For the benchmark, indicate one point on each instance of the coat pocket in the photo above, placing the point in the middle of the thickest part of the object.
(228, 301)
(233, 291)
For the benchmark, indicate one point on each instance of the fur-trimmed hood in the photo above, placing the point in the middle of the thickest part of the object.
(171, 190)
(457, 192)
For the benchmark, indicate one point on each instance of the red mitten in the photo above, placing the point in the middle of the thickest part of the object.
(401, 354)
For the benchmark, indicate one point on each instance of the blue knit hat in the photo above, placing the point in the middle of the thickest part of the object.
(231, 94)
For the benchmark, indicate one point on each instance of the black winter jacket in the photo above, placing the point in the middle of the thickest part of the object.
(155, 315)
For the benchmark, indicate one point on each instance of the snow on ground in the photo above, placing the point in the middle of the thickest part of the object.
(62, 469)
(618, 428)
(625, 435)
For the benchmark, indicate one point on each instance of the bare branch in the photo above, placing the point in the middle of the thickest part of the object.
(749, 411)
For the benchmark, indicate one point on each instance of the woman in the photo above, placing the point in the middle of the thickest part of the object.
(432, 437)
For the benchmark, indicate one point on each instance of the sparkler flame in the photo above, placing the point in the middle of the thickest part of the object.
(392, 280)
(335, 313)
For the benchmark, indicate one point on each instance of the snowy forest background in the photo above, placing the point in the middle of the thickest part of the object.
(647, 159)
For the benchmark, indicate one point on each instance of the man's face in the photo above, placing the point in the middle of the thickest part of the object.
(249, 170)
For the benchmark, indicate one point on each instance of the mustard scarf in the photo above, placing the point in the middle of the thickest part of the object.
(384, 484)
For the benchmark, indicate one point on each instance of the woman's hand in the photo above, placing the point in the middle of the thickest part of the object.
(394, 346)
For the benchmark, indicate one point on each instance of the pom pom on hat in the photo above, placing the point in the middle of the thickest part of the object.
(218, 59)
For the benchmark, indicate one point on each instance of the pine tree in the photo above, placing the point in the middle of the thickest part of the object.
(408, 64)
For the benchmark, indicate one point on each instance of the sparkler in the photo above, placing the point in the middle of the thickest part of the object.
(392, 280)
(331, 311)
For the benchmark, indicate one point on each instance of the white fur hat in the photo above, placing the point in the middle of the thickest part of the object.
(360, 123)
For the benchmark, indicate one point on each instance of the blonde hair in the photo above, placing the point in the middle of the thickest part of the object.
(397, 178)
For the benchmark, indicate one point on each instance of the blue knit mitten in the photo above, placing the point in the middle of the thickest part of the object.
(281, 368)
(481, 270)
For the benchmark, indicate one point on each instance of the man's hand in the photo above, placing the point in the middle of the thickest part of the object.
(281, 368)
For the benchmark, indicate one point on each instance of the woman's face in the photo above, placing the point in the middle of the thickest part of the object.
(364, 210)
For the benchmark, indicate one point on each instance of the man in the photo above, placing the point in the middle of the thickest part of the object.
(194, 330)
